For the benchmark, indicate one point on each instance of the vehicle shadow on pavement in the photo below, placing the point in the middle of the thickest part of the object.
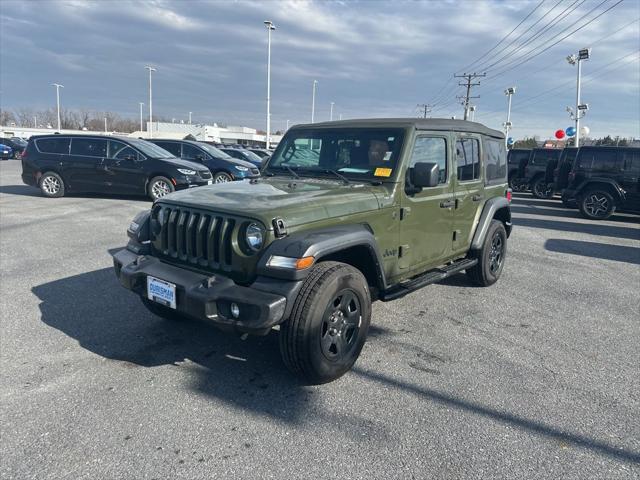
(21, 190)
(29, 191)
(565, 213)
(93, 309)
(618, 253)
(630, 233)
(538, 428)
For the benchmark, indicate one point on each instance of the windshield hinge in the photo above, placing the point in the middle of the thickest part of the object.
(279, 227)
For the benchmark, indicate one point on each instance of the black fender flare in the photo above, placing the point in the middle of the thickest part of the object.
(493, 206)
(622, 195)
(319, 244)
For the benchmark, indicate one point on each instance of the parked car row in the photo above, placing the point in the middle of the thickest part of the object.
(596, 180)
(58, 164)
(12, 147)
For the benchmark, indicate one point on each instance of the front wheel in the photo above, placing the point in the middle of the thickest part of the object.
(490, 257)
(597, 205)
(541, 189)
(159, 187)
(328, 326)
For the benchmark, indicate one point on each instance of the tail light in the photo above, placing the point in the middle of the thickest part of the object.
(508, 195)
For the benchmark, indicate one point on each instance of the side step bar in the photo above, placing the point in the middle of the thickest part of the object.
(427, 278)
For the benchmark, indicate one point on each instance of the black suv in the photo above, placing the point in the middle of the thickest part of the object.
(223, 167)
(244, 154)
(533, 174)
(85, 163)
(557, 174)
(517, 159)
(604, 179)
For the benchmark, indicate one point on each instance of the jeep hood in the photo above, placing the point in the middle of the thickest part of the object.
(297, 201)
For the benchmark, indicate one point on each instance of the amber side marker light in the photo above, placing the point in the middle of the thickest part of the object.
(289, 262)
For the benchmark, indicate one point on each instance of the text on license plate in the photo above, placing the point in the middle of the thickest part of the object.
(161, 292)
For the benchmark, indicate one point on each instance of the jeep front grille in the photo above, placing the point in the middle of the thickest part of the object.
(196, 237)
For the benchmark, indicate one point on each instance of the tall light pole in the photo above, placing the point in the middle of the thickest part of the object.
(580, 111)
(472, 109)
(141, 127)
(313, 100)
(190, 117)
(151, 69)
(331, 112)
(58, 87)
(287, 125)
(270, 28)
(105, 124)
(507, 125)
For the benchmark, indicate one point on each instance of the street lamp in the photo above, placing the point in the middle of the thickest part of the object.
(270, 28)
(141, 128)
(573, 59)
(331, 111)
(58, 87)
(507, 125)
(313, 100)
(287, 125)
(190, 117)
(472, 109)
(105, 124)
(151, 69)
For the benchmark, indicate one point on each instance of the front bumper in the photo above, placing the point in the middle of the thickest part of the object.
(206, 297)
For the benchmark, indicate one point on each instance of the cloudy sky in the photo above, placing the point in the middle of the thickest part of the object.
(372, 58)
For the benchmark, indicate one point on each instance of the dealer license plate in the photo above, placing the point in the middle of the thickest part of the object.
(209, 182)
(161, 292)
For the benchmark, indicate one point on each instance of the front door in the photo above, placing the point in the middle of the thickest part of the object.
(81, 166)
(426, 217)
(468, 189)
(630, 180)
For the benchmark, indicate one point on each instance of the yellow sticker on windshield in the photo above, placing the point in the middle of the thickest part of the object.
(382, 172)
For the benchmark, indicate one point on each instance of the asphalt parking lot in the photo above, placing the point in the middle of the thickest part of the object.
(535, 377)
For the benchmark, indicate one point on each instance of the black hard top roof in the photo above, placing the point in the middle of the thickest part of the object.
(444, 124)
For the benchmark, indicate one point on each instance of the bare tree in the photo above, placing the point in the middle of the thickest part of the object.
(6, 117)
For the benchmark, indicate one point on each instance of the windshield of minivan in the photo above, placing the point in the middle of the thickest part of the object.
(151, 149)
(357, 153)
(217, 153)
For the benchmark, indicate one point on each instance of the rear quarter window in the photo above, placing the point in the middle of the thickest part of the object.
(495, 161)
(53, 145)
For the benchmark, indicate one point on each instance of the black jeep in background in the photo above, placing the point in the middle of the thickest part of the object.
(603, 180)
(534, 173)
(517, 159)
(558, 177)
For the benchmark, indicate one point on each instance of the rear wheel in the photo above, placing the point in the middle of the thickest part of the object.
(597, 205)
(52, 185)
(159, 187)
(328, 326)
(540, 189)
(222, 177)
(490, 257)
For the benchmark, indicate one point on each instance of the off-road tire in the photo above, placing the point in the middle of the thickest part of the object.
(222, 177)
(596, 204)
(539, 189)
(486, 272)
(157, 185)
(161, 311)
(51, 185)
(315, 322)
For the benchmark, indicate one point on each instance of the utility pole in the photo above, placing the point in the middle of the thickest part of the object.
(313, 100)
(468, 84)
(151, 69)
(424, 106)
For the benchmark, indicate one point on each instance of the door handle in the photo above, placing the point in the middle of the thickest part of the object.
(476, 198)
(448, 203)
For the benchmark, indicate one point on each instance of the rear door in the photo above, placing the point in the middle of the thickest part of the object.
(426, 218)
(468, 191)
(122, 169)
(630, 180)
(81, 165)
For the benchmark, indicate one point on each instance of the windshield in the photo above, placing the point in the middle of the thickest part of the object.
(151, 149)
(217, 153)
(356, 153)
(252, 156)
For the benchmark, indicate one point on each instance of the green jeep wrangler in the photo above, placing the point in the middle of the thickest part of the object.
(345, 213)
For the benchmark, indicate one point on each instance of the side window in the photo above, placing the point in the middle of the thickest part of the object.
(606, 161)
(172, 147)
(189, 152)
(468, 159)
(120, 150)
(495, 161)
(431, 150)
(53, 145)
(631, 161)
(89, 147)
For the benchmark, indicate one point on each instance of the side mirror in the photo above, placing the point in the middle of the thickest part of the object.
(130, 157)
(424, 175)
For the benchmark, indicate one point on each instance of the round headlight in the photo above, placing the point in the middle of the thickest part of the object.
(254, 236)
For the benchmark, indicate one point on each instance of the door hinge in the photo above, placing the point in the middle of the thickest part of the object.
(402, 250)
(404, 211)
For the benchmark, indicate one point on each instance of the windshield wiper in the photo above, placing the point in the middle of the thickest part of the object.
(339, 175)
(290, 170)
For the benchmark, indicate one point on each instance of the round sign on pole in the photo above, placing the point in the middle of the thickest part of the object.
(570, 131)
(584, 131)
(510, 141)
(559, 134)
